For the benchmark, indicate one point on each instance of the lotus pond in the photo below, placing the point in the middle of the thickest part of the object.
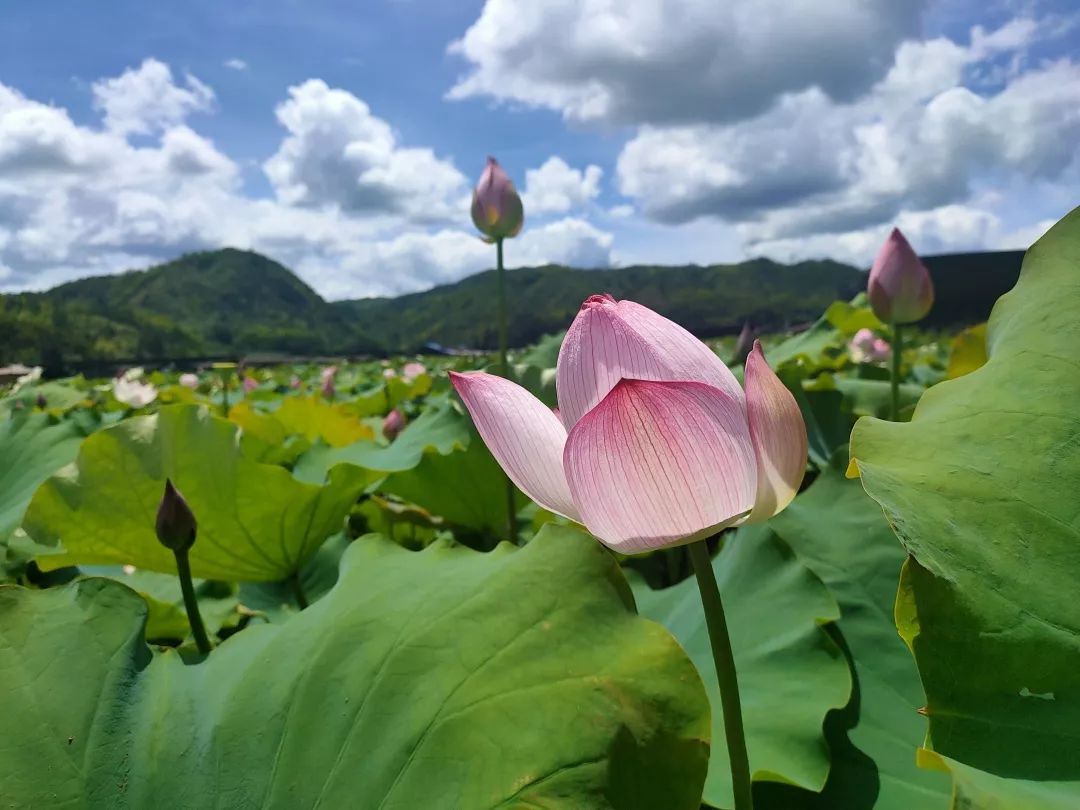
(383, 630)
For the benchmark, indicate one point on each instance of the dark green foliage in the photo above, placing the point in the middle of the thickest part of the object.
(219, 303)
(230, 302)
(709, 301)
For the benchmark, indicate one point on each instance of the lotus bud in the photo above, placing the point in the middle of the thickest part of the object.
(497, 211)
(743, 345)
(327, 375)
(189, 381)
(393, 424)
(899, 288)
(294, 382)
(389, 373)
(250, 384)
(175, 523)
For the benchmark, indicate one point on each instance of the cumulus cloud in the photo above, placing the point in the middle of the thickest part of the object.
(145, 99)
(337, 153)
(79, 200)
(557, 188)
(676, 61)
(919, 140)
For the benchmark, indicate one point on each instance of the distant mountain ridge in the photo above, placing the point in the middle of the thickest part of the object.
(232, 303)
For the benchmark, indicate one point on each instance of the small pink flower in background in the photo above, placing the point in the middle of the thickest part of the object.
(393, 424)
(189, 380)
(250, 384)
(294, 382)
(133, 393)
(412, 370)
(497, 211)
(327, 376)
(389, 373)
(656, 444)
(899, 287)
(866, 347)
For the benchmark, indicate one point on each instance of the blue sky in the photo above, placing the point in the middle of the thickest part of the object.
(343, 138)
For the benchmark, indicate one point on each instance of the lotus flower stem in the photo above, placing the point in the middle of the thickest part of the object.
(894, 377)
(225, 394)
(725, 673)
(298, 590)
(504, 370)
(191, 604)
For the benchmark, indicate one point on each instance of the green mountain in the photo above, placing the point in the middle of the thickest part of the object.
(222, 303)
(709, 301)
(230, 303)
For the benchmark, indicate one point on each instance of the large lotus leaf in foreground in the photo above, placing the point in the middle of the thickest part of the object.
(256, 522)
(441, 678)
(790, 672)
(982, 488)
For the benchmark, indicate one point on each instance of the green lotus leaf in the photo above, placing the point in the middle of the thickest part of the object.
(981, 488)
(441, 678)
(256, 522)
(790, 672)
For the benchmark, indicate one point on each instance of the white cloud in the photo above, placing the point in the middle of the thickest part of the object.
(144, 100)
(557, 188)
(79, 200)
(337, 153)
(674, 61)
(235, 64)
(918, 140)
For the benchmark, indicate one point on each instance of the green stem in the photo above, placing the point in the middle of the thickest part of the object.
(504, 369)
(298, 590)
(225, 394)
(725, 673)
(897, 351)
(191, 604)
(500, 273)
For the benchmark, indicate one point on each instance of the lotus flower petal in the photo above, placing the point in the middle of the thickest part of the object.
(610, 340)
(899, 286)
(523, 434)
(778, 433)
(660, 464)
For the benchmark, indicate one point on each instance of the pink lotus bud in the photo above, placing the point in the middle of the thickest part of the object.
(327, 375)
(655, 444)
(497, 211)
(899, 287)
(189, 381)
(866, 347)
(250, 384)
(294, 382)
(412, 371)
(393, 424)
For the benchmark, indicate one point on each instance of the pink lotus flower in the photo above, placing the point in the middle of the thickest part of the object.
(327, 376)
(899, 287)
(866, 347)
(497, 211)
(393, 424)
(250, 384)
(655, 444)
(389, 373)
(412, 370)
(189, 381)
